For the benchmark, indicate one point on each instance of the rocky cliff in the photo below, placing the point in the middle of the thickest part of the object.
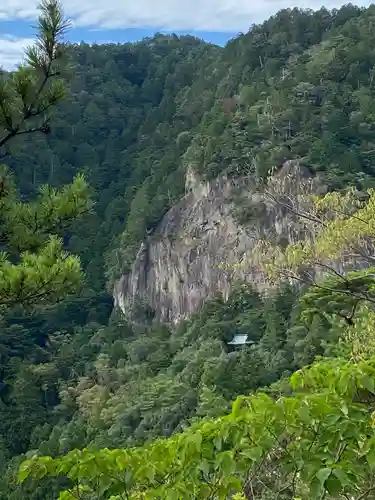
(195, 251)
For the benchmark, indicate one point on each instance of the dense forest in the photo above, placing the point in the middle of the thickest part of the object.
(107, 409)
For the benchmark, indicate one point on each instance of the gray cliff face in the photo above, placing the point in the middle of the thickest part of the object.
(195, 251)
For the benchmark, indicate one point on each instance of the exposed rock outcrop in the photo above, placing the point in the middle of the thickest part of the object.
(181, 264)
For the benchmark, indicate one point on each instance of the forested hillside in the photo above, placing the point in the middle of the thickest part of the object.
(76, 374)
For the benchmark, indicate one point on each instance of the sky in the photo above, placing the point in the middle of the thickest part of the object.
(103, 21)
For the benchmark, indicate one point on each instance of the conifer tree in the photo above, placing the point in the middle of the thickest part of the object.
(34, 267)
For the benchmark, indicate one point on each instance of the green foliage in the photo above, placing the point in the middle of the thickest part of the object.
(299, 86)
(340, 227)
(317, 443)
(123, 386)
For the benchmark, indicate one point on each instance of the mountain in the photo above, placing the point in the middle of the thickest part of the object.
(295, 92)
(178, 139)
(139, 115)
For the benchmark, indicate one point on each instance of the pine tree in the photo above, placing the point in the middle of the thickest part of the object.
(34, 267)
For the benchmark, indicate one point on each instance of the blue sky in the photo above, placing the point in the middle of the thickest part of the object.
(127, 20)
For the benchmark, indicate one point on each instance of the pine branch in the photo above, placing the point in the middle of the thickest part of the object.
(27, 225)
(29, 92)
(44, 272)
(39, 277)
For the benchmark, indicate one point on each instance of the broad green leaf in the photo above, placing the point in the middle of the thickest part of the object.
(368, 383)
(333, 485)
(24, 471)
(323, 475)
(341, 475)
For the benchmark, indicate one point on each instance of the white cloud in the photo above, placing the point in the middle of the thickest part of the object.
(12, 50)
(205, 15)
